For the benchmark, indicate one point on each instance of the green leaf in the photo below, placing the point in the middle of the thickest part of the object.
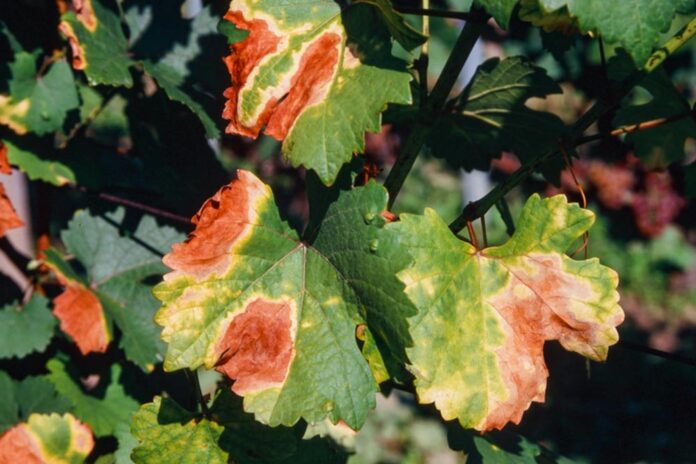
(245, 275)
(184, 71)
(322, 121)
(171, 82)
(36, 103)
(169, 433)
(501, 10)
(118, 272)
(663, 145)
(635, 25)
(26, 397)
(105, 414)
(99, 46)
(25, 329)
(9, 409)
(487, 313)
(686, 7)
(126, 444)
(490, 116)
(28, 156)
(407, 36)
(166, 431)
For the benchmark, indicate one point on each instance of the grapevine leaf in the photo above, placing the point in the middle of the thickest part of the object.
(278, 315)
(686, 7)
(501, 10)
(171, 82)
(185, 71)
(8, 215)
(103, 415)
(23, 398)
(491, 116)
(25, 329)
(99, 47)
(28, 158)
(635, 25)
(9, 409)
(36, 103)
(126, 444)
(487, 313)
(662, 145)
(169, 433)
(118, 270)
(408, 37)
(79, 310)
(47, 438)
(306, 73)
(230, 435)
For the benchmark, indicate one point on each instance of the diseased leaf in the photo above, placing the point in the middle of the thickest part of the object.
(47, 439)
(119, 270)
(490, 116)
(277, 315)
(635, 25)
(36, 103)
(79, 310)
(98, 44)
(8, 215)
(306, 73)
(103, 415)
(25, 329)
(486, 313)
(28, 157)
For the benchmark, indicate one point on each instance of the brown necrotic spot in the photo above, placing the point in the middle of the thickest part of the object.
(245, 56)
(309, 85)
(257, 346)
(219, 224)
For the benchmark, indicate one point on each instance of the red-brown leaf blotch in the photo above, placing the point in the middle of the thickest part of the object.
(525, 306)
(82, 317)
(243, 59)
(8, 215)
(220, 222)
(308, 85)
(257, 347)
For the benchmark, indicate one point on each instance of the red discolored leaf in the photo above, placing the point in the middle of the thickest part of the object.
(82, 317)
(8, 215)
(257, 347)
(78, 54)
(5, 167)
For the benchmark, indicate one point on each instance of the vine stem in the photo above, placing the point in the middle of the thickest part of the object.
(436, 102)
(134, 205)
(641, 126)
(476, 209)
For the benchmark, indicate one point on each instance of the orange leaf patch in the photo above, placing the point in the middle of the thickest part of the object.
(8, 215)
